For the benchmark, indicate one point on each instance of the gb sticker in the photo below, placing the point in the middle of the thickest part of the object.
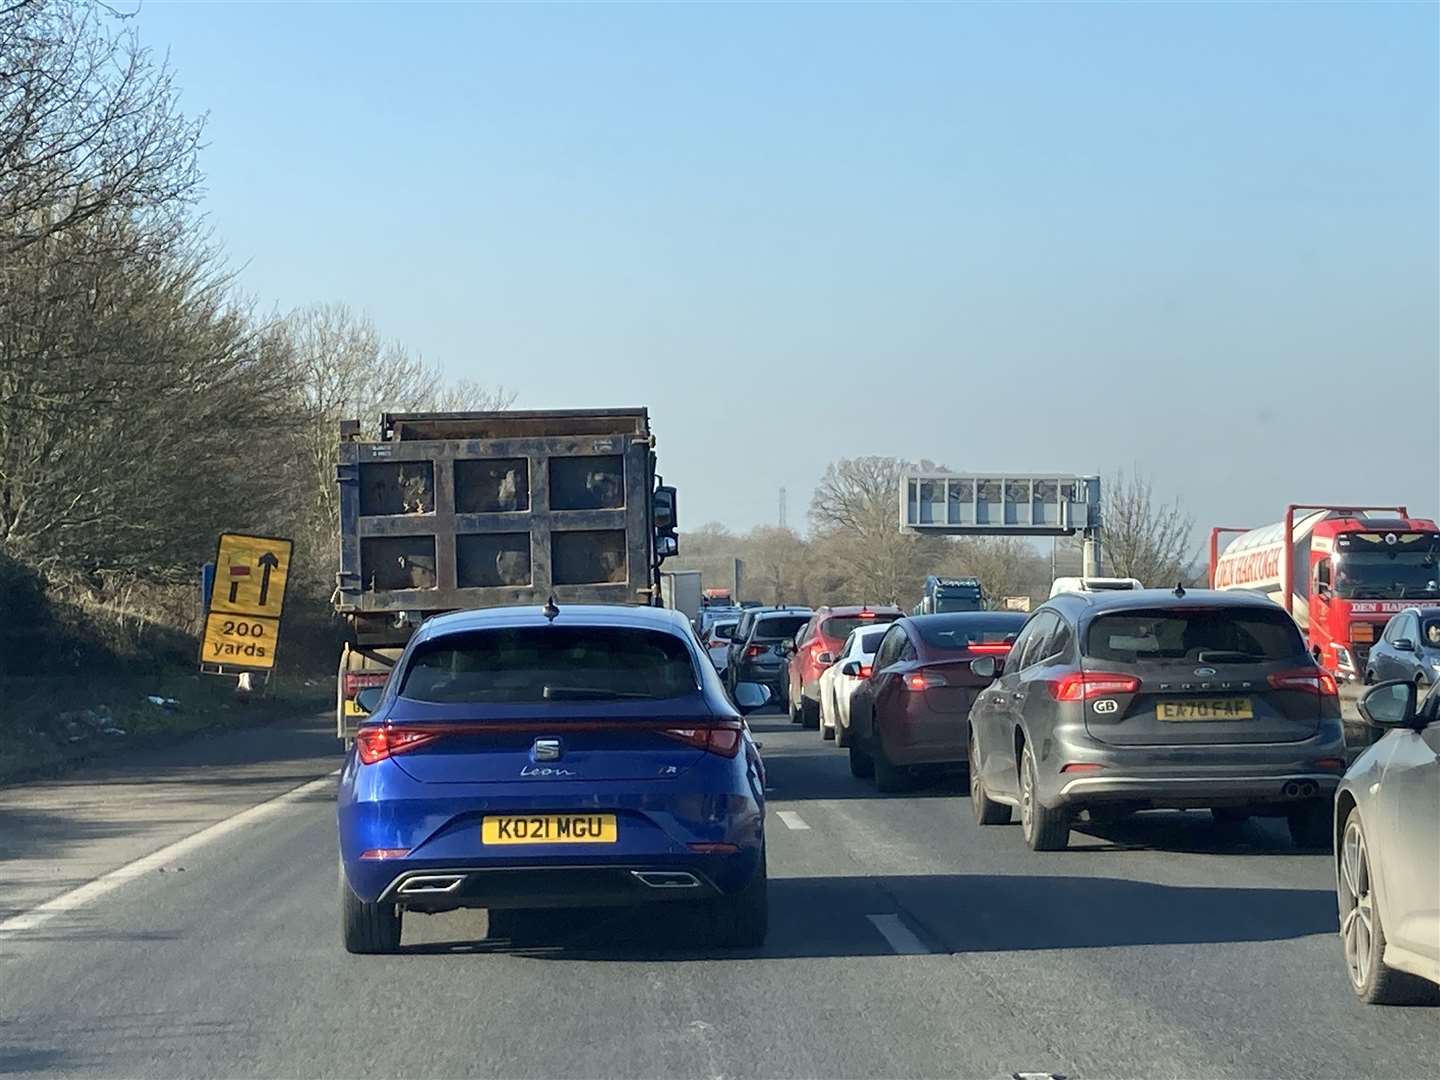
(1106, 705)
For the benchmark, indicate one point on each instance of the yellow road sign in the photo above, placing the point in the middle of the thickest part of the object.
(250, 575)
(239, 641)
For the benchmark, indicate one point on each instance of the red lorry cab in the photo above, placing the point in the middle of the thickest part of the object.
(1341, 571)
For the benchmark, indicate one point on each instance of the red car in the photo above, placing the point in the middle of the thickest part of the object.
(816, 648)
(913, 711)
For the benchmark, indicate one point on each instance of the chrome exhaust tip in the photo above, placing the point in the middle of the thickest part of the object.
(430, 884)
(667, 879)
(1291, 790)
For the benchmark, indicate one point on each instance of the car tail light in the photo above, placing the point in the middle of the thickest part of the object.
(989, 648)
(352, 682)
(1316, 681)
(755, 650)
(374, 744)
(1084, 685)
(1081, 766)
(724, 741)
(866, 670)
(1330, 764)
(924, 680)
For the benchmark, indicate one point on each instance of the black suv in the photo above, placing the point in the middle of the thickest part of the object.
(761, 646)
(1116, 702)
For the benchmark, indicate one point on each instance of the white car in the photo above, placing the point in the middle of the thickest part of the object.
(836, 685)
(716, 640)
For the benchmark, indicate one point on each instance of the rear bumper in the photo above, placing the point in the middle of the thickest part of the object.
(1178, 792)
(1189, 776)
(924, 736)
(446, 888)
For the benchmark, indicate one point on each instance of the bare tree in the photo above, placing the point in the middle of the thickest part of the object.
(1005, 565)
(855, 518)
(89, 124)
(1145, 538)
(775, 564)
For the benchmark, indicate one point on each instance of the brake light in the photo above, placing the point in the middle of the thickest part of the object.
(755, 650)
(865, 671)
(990, 648)
(866, 615)
(1084, 685)
(374, 744)
(924, 680)
(724, 741)
(1316, 681)
(1331, 764)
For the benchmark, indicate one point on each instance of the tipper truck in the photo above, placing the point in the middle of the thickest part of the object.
(450, 511)
(1341, 572)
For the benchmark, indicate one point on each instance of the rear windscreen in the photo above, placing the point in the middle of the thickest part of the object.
(871, 641)
(840, 626)
(531, 664)
(1430, 634)
(724, 629)
(779, 626)
(960, 633)
(1233, 635)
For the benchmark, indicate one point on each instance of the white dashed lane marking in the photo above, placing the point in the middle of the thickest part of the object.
(792, 820)
(901, 938)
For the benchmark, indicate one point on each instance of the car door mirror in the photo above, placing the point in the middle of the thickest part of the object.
(985, 667)
(1389, 705)
(750, 696)
(825, 658)
(368, 699)
(1403, 644)
(851, 668)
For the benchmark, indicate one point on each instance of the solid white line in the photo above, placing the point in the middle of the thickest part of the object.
(792, 820)
(901, 938)
(108, 883)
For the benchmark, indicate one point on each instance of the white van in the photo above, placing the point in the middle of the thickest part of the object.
(1094, 584)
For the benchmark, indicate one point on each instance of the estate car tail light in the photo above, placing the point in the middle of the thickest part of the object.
(1316, 681)
(374, 744)
(1084, 685)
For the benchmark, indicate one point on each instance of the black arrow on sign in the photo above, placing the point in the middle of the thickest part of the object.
(269, 562)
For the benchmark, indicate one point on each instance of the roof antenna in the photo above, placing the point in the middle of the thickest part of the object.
(551, 609)
(1179, 589)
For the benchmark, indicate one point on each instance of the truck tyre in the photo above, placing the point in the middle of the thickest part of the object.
(742, 920)
(1045, 829)
(367, 928)
(986, 811)
(862, 765)
(1310, 824)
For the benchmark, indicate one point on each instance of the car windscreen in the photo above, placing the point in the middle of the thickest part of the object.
(839, 627)
(955, 632)
(532, 664)
(1201, 635)
(779, 627)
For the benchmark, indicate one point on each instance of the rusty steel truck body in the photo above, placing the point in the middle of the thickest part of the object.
(450, 511)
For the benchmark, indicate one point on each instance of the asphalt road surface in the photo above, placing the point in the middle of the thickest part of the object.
(905, 941)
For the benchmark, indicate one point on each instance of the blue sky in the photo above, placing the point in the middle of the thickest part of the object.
(1200, 240)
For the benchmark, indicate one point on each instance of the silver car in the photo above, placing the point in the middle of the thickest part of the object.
(1387, 836)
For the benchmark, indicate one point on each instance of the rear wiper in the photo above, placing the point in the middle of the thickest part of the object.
(587, 693)
(1227, 656)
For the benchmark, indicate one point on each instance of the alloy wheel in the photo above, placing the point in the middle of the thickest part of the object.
(1357, 904)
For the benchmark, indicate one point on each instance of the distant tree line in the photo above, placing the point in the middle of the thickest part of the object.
(855, 551)
(145, 405)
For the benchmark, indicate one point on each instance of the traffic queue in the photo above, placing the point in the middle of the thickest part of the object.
(1112, 699)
